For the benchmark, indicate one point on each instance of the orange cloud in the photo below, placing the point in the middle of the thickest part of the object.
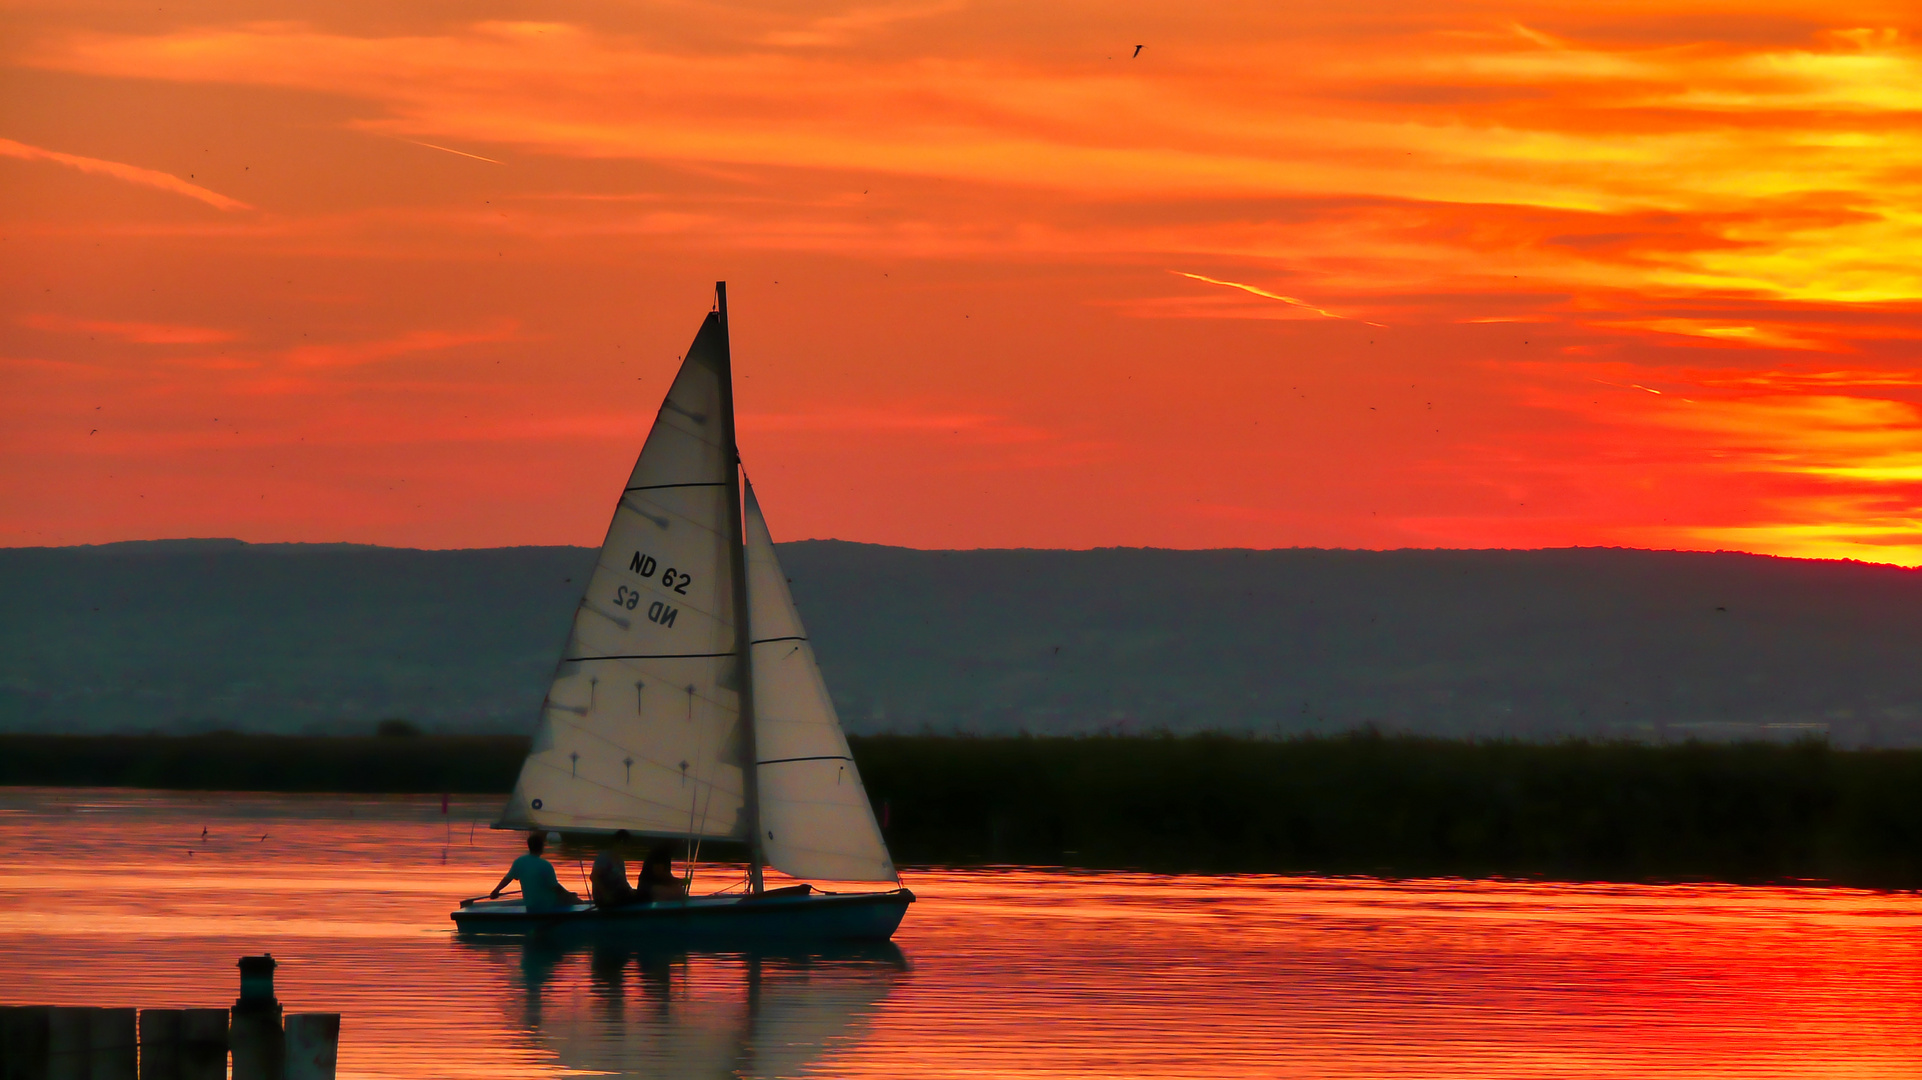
(1826, 474)
(848, 26)
(1636, 273)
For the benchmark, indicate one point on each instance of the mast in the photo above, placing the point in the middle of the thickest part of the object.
(737, 564)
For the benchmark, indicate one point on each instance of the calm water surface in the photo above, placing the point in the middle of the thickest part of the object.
(114, 897)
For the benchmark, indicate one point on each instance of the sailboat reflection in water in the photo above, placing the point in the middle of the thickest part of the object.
(611, 1008)
(687, 704)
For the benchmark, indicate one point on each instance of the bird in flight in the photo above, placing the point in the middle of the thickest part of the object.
(1137, 52)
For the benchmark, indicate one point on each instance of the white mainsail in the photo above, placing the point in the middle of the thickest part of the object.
(640, 729)
(815, 819)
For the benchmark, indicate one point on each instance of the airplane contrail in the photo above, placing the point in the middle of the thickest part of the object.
(1643, 389)
(451, 150)
(1272, 296)
(132, 174)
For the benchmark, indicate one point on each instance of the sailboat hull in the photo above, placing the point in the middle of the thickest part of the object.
(809, 917)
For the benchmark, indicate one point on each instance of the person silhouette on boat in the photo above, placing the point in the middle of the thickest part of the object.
(657, 875)
(540, 889)
(608, 879)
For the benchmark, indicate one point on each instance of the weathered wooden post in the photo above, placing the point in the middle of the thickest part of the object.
(256, 1036)
(160, 1044)
(203, 1044)
(87, 1042)
(23, 1034)
(313, 1045)
(112, 1049)
(69, 1028)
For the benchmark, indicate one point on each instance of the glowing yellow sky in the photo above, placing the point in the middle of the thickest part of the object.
(1370, 274)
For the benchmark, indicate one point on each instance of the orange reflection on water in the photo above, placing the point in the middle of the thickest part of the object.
(1007, 972)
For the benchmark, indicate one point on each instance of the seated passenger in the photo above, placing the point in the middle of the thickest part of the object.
(540, 889)
(608, 879)
(657, 875)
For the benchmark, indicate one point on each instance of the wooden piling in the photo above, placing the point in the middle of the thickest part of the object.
(255, 1037)
(160, 1044)
(313, 1045)
(256, 1041)
(69, 1031)
(60, 1042)
(203, 1044)
(112, 1046)
(23, 1042)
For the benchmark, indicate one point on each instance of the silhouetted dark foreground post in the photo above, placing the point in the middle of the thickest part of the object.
(23, 1040)
(60, 1042)
(203, 1046)
(313, 1045)
(256, 1035)
(112, 1046)
(160, 1044)
(67, 1043)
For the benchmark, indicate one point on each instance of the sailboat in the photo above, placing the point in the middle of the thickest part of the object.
(687, 704)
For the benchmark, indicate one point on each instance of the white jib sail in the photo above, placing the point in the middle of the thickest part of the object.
(816, 822)
(640, 728)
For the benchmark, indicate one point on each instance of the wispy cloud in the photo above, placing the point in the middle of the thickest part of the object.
(1634, 160)
(848, 25)
(132, 174)
(354, 353)
(1724, 209)
(139, 333)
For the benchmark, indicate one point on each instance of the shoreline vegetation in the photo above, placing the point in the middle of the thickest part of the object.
(1356, 804)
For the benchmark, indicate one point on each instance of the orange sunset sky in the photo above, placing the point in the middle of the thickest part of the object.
(1368, 274)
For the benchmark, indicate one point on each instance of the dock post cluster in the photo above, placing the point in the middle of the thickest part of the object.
(86, 1042)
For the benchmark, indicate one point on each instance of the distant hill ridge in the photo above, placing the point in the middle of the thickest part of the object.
(188, 635)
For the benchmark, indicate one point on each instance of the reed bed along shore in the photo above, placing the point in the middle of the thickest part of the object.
(1359, 804)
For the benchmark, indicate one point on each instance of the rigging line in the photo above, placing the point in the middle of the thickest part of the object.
(657, 487)
(688, 887)
(768, 640)
(823, 757)
(690, 819)
(701, 758)
(693, 844)
(648, 656)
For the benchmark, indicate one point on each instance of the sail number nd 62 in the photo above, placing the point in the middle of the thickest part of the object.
(670, 578)
(657, 612)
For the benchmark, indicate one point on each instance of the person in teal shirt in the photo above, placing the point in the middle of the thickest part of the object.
(540, 889)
